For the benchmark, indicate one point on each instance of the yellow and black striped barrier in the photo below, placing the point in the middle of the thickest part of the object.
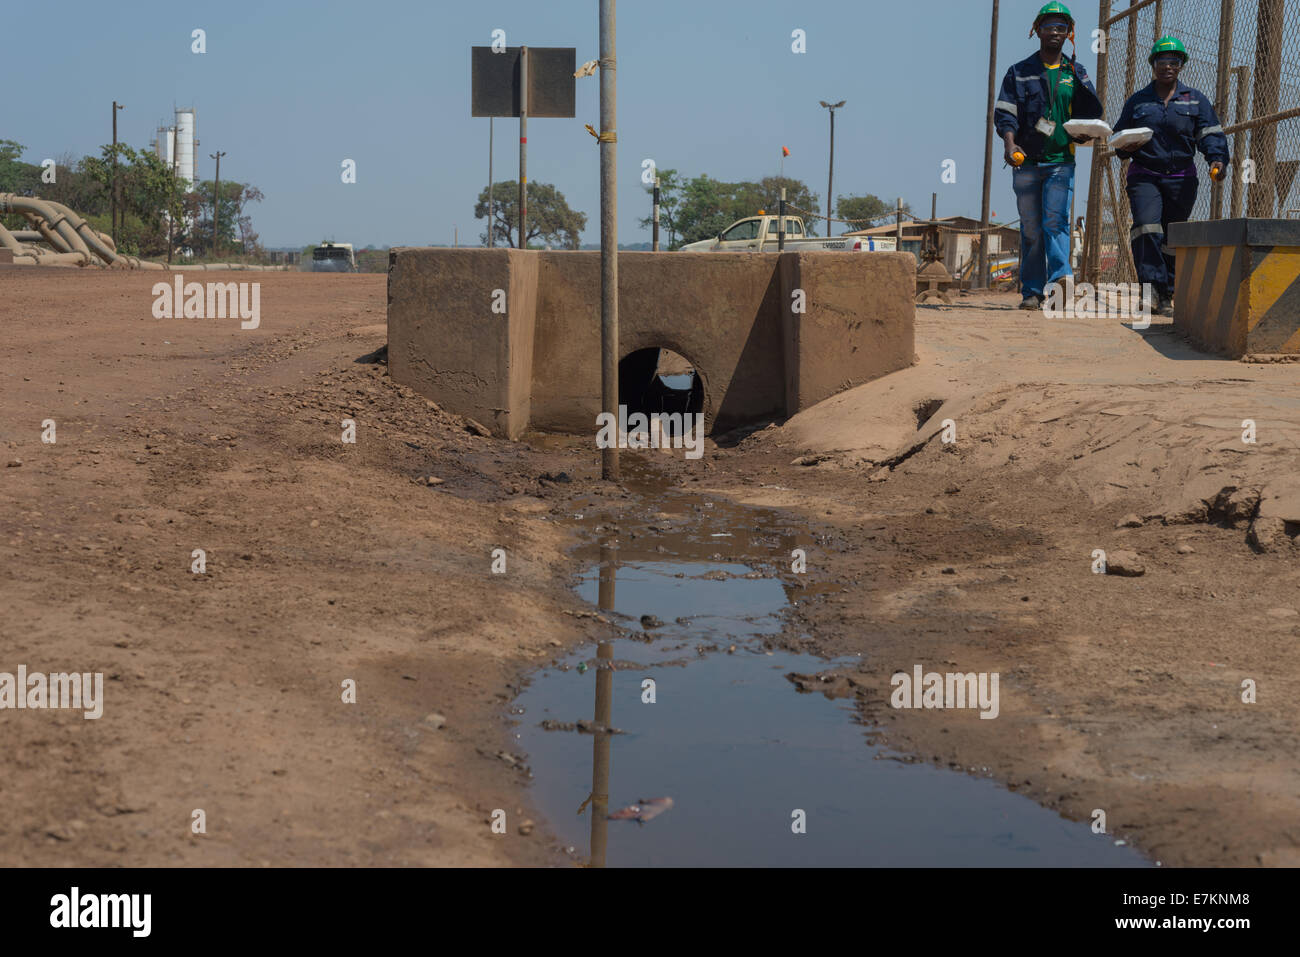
(1237, 285)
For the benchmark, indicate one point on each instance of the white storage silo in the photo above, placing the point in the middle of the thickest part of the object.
(165, 144)
(185, 126)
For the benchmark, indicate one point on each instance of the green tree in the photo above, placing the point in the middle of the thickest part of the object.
(670, 200)
(15, 175)
(708, 206)
(149, 191)
(233, 225)
(550, 220)
(863, 211)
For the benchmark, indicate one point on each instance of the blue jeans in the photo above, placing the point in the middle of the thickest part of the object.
(1043, 195)
(1157, 201)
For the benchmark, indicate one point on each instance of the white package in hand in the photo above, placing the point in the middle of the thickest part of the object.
(1093, 129)
(1127, 139)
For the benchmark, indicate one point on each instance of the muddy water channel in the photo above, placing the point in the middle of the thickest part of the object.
(694, 704)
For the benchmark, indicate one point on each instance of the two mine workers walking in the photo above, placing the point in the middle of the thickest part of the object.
(1044, 91)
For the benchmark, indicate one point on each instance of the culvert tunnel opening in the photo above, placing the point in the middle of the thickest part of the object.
(658, 380)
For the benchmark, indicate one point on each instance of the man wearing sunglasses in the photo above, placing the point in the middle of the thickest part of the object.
(1162, 181)
(1039, 94)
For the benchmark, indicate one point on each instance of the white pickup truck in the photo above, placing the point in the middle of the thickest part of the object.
(758, 234)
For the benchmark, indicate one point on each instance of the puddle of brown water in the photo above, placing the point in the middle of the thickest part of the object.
(727, 736)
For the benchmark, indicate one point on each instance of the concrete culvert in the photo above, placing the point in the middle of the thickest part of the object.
(659, 380)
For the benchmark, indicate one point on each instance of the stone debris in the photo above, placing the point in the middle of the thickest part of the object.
(1124, 563)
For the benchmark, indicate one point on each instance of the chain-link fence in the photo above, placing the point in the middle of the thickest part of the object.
(1244, 56)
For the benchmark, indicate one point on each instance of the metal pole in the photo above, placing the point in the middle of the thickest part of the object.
(981, 281)
(780, 222)
(216, 206)
(112, 190)
(523, 147)
(1242, 74)
(455, 236)
(1093, 215)
(830, 177)
(491, 228)
(171, 213)
(1130, 51)
(1221, 92)
(608, 230)
(1268, 78)
(898, 227)
(654, 239)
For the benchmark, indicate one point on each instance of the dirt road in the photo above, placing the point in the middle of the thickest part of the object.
(328, 561)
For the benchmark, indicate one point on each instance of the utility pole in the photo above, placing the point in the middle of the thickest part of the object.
(112, 191)
(216, 204)
(982, 280)
(171, 213)
(608, 237)
(830, 179)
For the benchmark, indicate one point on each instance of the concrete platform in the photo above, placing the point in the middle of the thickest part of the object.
(512, 337)
(1237, 288)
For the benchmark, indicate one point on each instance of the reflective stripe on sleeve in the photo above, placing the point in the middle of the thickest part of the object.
(1009, 107)
(1137, 231)
(1208, 130)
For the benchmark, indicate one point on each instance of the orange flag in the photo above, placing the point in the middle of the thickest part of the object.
(785, 151)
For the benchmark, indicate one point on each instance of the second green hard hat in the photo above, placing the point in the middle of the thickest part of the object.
(1168, 45)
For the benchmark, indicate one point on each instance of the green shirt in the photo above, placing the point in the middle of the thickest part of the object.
(1058, 147)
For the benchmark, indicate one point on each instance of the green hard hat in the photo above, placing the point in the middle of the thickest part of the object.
(1168, 45)
(1054, 9)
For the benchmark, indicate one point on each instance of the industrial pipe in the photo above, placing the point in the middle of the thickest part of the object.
(75, 242)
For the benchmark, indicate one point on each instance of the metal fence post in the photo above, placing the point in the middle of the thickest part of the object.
(1092, 235)
(1242, 74)
(1221, 92)
(1268, 79)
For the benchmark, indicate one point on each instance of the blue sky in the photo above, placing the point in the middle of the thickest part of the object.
(290, 89)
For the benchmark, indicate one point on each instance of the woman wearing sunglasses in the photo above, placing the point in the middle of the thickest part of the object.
(1162, 179)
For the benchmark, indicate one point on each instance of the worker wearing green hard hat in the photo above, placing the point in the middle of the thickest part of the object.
(1171, 45)
(1039, 95)
(1162, 180)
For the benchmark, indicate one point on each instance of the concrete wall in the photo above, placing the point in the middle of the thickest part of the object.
(719, 310)
(858, 323)
(730, 314)
(446, 341)
(1237, 285)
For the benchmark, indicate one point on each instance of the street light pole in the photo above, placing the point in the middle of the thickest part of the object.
(112, 192)
(830, 178)
(216, 204)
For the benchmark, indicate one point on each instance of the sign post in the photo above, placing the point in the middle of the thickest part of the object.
(522, 82)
